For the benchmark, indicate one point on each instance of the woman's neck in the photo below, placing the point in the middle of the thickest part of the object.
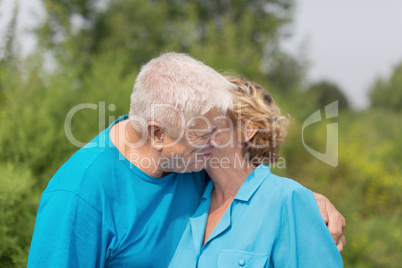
(227, 181)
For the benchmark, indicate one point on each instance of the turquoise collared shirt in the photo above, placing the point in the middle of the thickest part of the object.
(272, 222)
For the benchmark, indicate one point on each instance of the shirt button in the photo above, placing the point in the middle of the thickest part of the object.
(242, 262)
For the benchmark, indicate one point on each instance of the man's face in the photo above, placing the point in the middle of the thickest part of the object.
(190, 152)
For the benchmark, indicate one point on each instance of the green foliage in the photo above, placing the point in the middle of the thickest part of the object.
(365, 186)
(9, 45)
(18, 206)
(36, 112)
(370, 159)
(386, 94)
(325, 92)
(222, 33)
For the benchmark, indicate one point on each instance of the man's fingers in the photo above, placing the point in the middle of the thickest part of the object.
(333, 219)
(336, 227)
(335, 232)
(322, 206)
(341, 243)
(324, 213)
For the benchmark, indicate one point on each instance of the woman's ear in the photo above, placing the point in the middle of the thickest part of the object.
(249, 132)
(156, 134)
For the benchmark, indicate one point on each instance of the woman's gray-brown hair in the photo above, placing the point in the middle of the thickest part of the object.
(254, 106)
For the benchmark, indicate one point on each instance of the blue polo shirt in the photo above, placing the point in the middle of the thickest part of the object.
(99, 210)
(272, 222)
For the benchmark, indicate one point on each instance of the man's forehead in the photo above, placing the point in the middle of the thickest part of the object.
(206, 122)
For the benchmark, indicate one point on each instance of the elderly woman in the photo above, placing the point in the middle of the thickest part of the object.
(248, 216)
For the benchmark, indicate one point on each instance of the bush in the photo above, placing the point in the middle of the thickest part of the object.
(18, 205)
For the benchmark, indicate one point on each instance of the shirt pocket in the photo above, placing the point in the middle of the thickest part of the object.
(239, 258)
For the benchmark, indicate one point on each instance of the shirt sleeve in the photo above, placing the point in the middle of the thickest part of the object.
(68, 233)
(304, 239)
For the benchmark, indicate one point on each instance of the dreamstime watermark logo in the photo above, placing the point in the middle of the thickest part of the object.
(330, 156)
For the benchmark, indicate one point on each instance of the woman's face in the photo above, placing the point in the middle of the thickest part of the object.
(229, 150)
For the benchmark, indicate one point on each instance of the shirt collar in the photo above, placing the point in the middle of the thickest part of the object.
(253, 182)
(208, 191)
(248, 188)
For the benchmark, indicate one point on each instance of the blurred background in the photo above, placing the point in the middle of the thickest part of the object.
(55, 55)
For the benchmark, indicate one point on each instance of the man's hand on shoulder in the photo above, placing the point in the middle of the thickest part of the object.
(334, 220)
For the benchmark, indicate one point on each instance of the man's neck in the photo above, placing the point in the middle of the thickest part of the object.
(129, 142)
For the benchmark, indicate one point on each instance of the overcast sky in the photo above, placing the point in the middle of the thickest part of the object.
(348, 42)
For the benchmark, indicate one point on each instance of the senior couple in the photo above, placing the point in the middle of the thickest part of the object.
(144, 200)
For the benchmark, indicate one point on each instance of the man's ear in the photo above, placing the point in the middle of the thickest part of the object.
(156, 134)
(249, 132)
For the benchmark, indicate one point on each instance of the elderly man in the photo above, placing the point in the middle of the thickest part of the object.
(126, 201)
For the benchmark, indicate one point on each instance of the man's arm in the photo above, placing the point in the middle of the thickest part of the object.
(334, 220)
(68, 233)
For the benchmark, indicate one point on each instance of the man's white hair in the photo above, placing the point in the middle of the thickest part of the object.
(175, 87)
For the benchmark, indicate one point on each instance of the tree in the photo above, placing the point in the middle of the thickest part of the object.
(9, 58)
(325, 92)
(229, 35)
(387, 93)
(18, 205)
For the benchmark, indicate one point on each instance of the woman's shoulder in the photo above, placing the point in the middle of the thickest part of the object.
(285, 187)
